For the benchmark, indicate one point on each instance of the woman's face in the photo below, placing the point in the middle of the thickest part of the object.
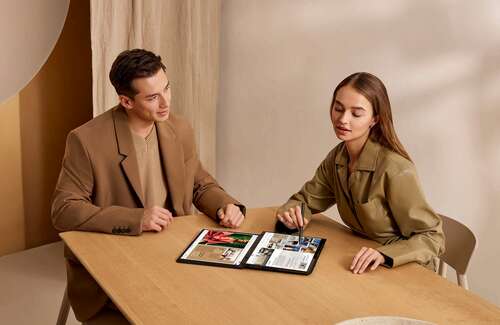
(352, 115)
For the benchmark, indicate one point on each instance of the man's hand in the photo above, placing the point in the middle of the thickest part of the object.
(230, 216)
(156, 219)
(292, 218)
(365, 257)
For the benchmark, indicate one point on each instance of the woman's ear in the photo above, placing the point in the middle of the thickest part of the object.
(374, 121)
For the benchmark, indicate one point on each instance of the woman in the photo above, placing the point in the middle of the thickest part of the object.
(373, 181)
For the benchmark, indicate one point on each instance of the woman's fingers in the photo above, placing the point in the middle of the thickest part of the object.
(357, 257)
(292, 218)
(364, 258)
(369, 258)
(288, 220)
(377, 262)
(299, 217)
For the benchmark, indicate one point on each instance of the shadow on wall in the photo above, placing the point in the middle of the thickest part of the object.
(486, 119)
(57, 100)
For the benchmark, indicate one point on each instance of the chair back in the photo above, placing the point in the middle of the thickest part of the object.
(460, 244)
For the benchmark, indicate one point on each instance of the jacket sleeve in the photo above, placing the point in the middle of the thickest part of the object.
(420, 226)
(72, 207)
(208, 195)
(318, 193)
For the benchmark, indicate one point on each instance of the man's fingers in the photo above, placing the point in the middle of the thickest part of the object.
(156, 227)
(160, 216)
(164, 220)
(231, 209)
(161, 210)
(228, 212)
(238, 220)
(234, 219)
(241, 217)
(223, 219)
(226, 222)
(162, 213)
(161, 222)
(220, 214)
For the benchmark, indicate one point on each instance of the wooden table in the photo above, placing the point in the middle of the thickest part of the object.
(142, 278)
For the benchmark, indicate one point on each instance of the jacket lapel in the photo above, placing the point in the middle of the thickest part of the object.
(341, 163)
(367, 160)
(126, 149)
(172, 156)
(346, 210)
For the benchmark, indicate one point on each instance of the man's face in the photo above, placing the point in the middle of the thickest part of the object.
(152, 101)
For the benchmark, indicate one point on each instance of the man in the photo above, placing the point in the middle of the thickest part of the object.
(132, 169)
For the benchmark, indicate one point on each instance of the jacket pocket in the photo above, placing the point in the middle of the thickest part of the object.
(375, 218)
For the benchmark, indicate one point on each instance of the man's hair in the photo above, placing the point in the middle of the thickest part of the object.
(130, 65)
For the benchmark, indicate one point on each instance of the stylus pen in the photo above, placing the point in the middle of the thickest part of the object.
(301, 228)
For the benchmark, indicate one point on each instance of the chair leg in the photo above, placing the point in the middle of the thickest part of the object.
(462, 281)
(64, 310)
(443, 268)
(436, 264)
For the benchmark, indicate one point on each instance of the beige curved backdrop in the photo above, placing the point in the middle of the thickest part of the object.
(34, 123)
(29, 30)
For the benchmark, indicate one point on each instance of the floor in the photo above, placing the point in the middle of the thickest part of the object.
(32, 284)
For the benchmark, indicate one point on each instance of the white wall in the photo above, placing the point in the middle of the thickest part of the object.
(440, 60)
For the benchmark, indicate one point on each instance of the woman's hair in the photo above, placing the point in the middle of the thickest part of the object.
(374, 91)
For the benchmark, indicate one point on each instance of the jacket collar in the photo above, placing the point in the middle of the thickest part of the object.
(367, 160)
(171, 153)
(127, 150)
(172, 156)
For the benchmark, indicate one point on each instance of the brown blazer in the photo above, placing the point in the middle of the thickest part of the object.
(99, 189)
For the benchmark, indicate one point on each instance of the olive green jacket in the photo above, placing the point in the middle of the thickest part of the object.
(381, 199)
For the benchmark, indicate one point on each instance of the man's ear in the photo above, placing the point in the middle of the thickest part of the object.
(126, 102)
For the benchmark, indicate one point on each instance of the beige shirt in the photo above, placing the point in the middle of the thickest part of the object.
(151, 173)
(381, 199)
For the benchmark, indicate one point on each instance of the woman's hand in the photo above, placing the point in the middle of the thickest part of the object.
(292, 218)
(365, 257)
